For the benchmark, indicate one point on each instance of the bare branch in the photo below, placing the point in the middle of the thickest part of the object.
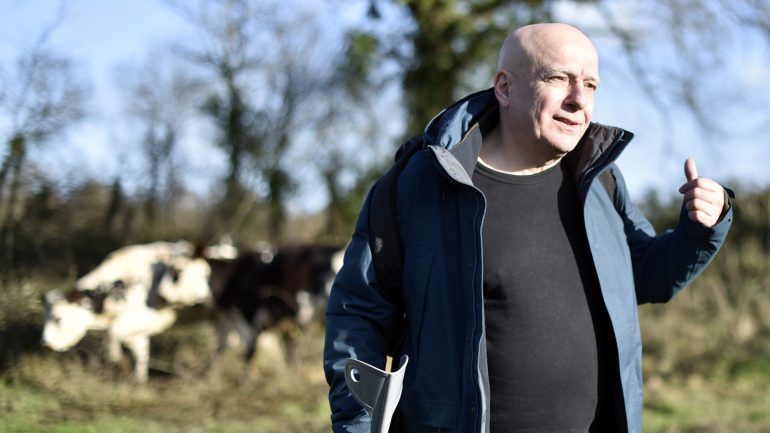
(629, 44)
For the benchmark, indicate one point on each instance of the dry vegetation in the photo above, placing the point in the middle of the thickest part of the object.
(706, 362)
(707, 353)
(77, 391)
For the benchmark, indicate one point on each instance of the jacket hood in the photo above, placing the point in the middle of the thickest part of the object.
(459, 129)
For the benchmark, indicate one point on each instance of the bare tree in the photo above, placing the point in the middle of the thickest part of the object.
(669, 46)
(443, 42)
(160, 99)
(268, 68)
(228, 51)
(43, 98)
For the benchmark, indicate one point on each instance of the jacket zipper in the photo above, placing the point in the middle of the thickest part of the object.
(477, 304)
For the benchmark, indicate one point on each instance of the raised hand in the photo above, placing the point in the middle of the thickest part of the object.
(704, 199)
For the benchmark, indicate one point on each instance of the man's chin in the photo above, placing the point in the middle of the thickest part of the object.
(563, 145)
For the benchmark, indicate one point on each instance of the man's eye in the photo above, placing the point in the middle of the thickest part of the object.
(557, 78)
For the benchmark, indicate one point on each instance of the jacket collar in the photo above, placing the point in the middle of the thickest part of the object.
(454, 136)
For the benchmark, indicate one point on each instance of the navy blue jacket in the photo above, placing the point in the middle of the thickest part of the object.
(440, 216)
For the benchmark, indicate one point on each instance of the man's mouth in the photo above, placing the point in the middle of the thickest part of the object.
(566, 121)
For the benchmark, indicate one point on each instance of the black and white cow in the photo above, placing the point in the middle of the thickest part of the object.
(125, 317)
(121, 297)
(132, 265)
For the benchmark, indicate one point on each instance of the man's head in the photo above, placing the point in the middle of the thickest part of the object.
(545, 84)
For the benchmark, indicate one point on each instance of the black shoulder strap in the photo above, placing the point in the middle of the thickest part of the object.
(610, 185)
(384, 239)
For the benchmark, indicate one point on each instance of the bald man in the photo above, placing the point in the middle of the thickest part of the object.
(524, 260)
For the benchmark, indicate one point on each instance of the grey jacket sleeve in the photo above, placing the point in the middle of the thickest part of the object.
(664, 264)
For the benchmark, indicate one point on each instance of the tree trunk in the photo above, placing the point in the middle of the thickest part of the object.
(8, 228)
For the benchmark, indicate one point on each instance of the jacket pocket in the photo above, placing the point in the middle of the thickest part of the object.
(429, 416)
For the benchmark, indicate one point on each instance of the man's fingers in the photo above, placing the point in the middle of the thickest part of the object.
(701, 183)
(690, 170)
(704, 206)
(702, 217)
(703, 194)
(703, 198)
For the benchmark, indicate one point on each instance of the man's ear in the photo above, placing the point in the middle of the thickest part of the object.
(503, 88)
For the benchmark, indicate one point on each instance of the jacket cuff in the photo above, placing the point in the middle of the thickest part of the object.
(729, 195)
(697, 231)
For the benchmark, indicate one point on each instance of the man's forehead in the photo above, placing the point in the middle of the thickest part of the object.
(548, 37)
(554, 46)
(573, 57)
(578, 71)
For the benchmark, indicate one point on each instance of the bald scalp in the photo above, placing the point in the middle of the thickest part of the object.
(524, 48)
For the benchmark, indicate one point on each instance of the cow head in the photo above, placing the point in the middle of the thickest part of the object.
(68, 318)
(183, 281)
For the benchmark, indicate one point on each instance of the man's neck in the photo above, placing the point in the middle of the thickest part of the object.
(524, 172)
(505, 155)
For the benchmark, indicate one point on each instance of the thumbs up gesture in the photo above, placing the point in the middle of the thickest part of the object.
(704, 199)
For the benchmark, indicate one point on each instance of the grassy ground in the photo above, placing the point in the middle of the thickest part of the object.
(716, 405)
(707, 370)
(61, 393)
(51, 392)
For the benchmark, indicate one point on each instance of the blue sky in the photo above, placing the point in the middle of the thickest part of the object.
(101, 35)
(734, 98)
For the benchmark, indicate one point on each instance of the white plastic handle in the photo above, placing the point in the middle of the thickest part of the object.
(377, 390)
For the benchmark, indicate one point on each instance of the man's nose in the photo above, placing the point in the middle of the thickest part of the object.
(578, 97)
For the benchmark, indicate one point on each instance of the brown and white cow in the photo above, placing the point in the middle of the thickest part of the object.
(254, 292)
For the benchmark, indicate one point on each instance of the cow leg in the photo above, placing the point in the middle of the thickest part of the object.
(289, 334)
(114, 351)
(248, 333)
(114, 354)
(139, 346)
(224, 323)
(260, 322)
(306, 307)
